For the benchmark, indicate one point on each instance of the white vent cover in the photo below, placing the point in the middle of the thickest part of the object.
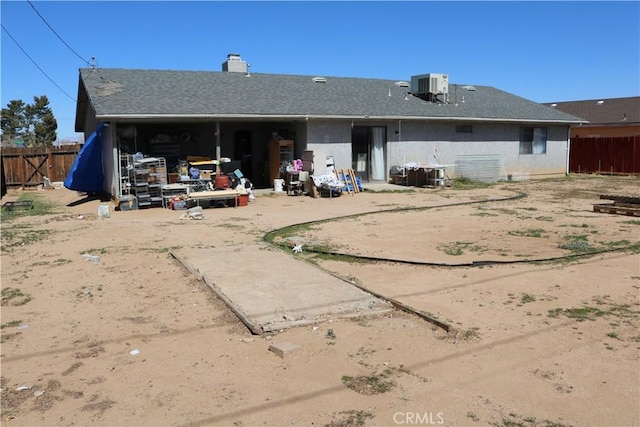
(319, 80)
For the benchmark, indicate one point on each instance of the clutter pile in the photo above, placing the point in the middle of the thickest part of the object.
(209, 189)
(193, 213)
(199, 182)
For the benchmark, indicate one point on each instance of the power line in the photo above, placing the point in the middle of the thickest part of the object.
(54, 32)
(34, 63)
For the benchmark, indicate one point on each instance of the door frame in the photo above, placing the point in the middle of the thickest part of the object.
(362, 140)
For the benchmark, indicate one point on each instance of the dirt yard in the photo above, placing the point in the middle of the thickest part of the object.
(538, 337)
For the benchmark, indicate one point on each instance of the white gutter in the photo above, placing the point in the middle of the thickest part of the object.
(201, 117)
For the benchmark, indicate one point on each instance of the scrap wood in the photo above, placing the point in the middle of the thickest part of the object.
(342, 177)
(621, 199)
(613, 208)
(354, 181)
(348, 177)
(347, 180)
(19, 204)
(622, 205)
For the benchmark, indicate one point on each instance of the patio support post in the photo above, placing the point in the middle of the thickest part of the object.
(218, 168)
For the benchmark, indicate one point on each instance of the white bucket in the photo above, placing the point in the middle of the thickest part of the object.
(103, 211)
(278, 185)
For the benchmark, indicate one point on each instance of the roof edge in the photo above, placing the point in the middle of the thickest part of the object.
(200, 117)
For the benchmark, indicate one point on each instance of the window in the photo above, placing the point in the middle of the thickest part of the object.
(464, 129)
(533, 140)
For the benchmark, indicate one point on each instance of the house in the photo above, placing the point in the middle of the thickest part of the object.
(609, 117)
(367, 125)
(608, 142)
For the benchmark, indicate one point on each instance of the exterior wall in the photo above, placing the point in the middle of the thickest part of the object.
(109, 152)
(109, 161)
(333, 138)
(604, 131)
(420, 141)
(407, 141)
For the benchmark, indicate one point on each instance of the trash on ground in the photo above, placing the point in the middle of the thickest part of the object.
(103, 211)
(24, 386)
(93, 258)
(193, 213)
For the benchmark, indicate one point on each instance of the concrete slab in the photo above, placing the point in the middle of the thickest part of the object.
(284, 348)
(270, 290)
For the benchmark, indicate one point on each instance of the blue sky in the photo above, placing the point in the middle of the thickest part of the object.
(543, 51)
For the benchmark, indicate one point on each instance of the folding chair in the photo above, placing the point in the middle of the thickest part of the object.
(296, 182)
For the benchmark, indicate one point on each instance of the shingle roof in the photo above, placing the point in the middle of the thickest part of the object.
(603, 111)
(131, 94)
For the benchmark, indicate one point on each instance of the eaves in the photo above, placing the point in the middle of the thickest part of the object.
(306, 117)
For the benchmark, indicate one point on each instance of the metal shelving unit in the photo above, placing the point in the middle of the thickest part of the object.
(142, 179)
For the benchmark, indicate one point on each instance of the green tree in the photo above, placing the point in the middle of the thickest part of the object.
(13, 121)
(43, 124)
(34, 123)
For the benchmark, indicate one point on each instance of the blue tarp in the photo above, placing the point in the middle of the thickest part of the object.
(86, 173)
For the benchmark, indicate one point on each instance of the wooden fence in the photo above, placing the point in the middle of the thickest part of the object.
(611, 155)
(27, 167)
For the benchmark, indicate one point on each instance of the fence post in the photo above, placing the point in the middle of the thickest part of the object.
(23, 171)
(50, 164)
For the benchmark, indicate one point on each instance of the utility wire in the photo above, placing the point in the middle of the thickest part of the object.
(54, 32)
(34, 63)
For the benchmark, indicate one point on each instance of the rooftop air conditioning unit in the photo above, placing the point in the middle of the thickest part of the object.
(430, 85)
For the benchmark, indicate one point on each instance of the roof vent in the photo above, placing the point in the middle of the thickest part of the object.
(600, 102)
(402, 84)
(469, 88)
(319, 80)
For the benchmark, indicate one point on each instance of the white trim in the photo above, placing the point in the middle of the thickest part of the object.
(201, 117)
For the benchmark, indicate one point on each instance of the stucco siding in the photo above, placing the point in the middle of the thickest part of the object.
(333, 138)
(109, 157)
(442, 141)
(425, 142)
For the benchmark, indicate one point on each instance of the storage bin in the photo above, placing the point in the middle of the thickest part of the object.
(178, 205)
(243, 200)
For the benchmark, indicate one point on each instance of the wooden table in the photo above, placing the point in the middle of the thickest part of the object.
(199, 196)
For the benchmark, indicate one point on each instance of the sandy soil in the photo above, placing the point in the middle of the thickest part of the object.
(532, 342)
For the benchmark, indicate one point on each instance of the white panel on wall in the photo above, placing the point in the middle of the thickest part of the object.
(485, 168)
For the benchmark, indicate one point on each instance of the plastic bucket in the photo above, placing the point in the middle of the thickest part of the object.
(278, 185)
(222, 181)
(103, 211)
(243, 200)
